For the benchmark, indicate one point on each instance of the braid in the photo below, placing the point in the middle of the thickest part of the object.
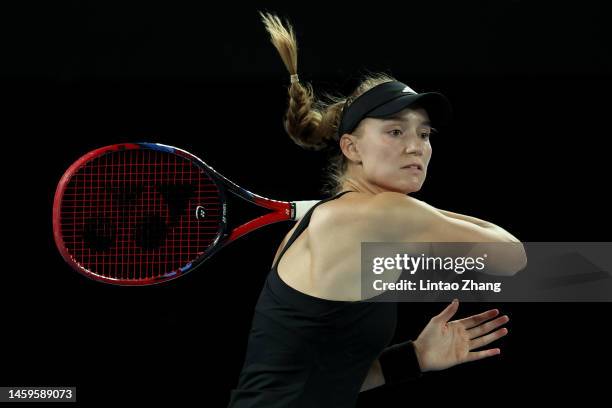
(310, 122)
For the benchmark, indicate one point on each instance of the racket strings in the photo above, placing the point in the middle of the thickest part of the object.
(139, 215)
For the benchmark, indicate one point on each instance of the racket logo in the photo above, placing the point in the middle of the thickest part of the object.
(200, 213)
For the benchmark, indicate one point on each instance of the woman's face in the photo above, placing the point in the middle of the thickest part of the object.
(386, 146)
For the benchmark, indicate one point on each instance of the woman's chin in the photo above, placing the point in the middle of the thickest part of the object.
(405, 189)
(410, 187)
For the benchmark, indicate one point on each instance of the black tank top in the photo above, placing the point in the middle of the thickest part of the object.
(305, 351)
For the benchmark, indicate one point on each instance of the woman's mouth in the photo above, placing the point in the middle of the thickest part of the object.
(413, 167)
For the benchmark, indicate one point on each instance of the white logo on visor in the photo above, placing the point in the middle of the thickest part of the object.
(408, 89)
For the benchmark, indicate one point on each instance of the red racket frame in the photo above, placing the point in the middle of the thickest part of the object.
(281, 211)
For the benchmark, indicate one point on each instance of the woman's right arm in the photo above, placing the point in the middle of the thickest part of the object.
(479, 222)
(401, 218)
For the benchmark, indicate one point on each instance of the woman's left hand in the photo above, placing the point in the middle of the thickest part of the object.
(443, 343)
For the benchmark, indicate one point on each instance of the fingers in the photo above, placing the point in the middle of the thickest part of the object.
(487, 327)
(448, 312)
(484, 340)
(475, 320)
(478, 355)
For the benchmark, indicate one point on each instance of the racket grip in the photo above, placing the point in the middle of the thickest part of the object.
(302, 207)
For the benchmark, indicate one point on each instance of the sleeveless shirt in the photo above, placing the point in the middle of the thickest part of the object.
(305, 351)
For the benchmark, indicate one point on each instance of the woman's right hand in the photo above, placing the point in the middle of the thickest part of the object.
(443, 343)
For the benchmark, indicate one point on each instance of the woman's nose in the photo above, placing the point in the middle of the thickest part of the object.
(414, 145)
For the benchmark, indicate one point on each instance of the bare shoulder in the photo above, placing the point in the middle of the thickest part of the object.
(350, 209)
(399, 217)
(335, 233)
(382, 216)
(391, 201)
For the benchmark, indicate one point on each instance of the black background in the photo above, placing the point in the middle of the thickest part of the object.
(527, 150)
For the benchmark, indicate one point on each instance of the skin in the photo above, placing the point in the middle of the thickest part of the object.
(377, 150)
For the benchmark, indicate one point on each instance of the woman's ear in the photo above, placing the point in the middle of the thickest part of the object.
(348, 146)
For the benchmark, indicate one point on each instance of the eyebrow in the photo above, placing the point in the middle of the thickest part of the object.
(401, 119)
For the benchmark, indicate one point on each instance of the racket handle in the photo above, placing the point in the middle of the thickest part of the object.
(302, 207)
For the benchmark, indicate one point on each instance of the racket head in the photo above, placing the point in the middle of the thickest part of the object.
(138, 213)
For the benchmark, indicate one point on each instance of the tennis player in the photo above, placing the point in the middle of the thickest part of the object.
(314, 341)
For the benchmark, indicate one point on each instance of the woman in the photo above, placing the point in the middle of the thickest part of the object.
(314, 341)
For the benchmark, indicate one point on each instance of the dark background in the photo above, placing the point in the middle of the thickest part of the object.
(527, 150)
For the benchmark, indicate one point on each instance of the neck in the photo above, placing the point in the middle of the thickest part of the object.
(361, 186)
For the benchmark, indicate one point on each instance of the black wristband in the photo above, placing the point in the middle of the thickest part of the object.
(399, 363)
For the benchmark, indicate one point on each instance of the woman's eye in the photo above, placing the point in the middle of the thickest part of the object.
(398, 132)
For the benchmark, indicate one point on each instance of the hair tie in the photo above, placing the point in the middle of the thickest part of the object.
(294, 78)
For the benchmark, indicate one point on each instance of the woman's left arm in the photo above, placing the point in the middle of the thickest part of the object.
(441, 344)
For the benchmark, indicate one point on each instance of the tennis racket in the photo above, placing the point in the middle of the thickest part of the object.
(146, 213)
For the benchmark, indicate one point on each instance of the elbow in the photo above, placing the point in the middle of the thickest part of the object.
(522, 258)
(517, 263)
(509, 259)
(518, 258)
